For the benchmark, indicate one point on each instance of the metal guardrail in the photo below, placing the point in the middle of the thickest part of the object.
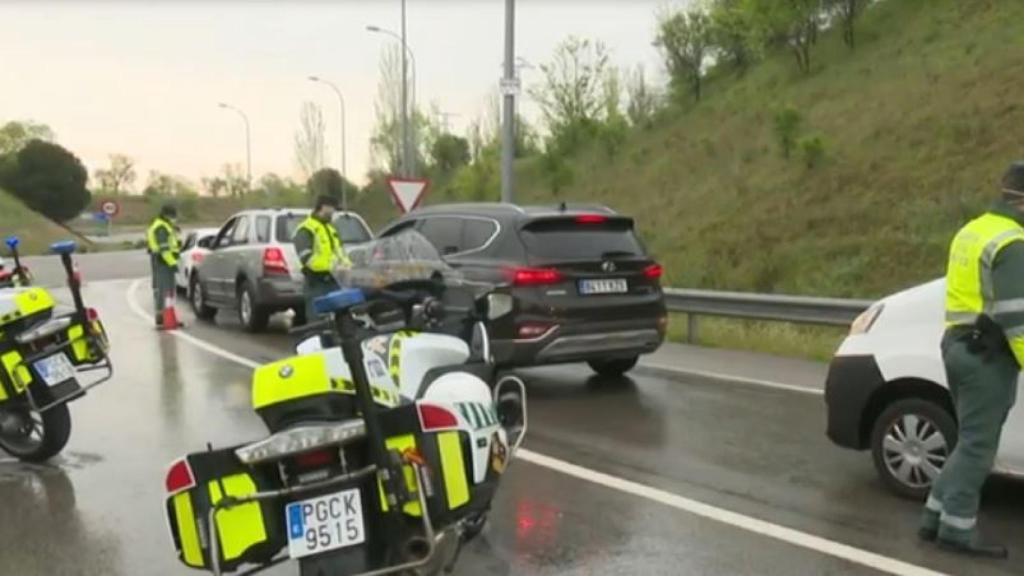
(751, 306)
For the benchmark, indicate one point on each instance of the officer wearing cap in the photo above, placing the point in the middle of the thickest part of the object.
(983, 351)
(320, 250)
(164, 251)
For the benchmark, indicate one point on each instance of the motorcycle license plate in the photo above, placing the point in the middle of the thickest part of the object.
(612, 286)
(325, 523)
(55, 369)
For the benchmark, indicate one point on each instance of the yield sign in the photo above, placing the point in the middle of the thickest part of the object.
(407, 192)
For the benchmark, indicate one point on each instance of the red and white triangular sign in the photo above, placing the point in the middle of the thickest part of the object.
(407, 192)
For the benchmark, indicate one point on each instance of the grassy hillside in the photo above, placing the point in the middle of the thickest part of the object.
(918, 124)
(35, 231)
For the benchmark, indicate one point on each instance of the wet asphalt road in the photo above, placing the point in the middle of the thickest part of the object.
(98, 509)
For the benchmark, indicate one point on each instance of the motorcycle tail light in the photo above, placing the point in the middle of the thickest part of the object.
(91, 314)
(301, 440)
(314, 459)
(434, 417)
(180, 477)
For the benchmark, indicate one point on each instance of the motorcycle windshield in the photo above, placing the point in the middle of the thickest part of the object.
(404, 257)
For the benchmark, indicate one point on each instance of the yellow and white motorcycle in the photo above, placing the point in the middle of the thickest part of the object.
(390, 432)
(42, 355)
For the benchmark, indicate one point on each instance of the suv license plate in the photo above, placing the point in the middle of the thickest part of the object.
(55, 369)
(612, 286)
(325, 523)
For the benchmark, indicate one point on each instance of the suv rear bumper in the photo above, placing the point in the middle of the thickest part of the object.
(852, 381)
(279, 293)
(581, 343)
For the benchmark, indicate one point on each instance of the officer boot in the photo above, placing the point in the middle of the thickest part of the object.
(969, 543)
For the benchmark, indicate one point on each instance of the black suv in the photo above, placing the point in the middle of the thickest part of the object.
(585, 288)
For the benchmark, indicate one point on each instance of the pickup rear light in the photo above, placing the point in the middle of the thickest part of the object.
(274, 262)
(434, 417)
(180, 477)
(591, 219)
(654, 272)
(534, 276)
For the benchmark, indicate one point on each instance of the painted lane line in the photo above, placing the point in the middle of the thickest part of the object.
(226, 354)
(748, 523)
(731, 378)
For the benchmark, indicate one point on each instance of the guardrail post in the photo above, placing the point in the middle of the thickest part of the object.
(691, 328)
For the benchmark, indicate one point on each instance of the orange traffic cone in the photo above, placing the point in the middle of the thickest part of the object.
(170, 317)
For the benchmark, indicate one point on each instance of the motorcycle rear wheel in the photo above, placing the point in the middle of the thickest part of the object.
(37, 437)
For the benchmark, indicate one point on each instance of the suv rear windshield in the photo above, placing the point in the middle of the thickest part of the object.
(351, 230)
(568, 240)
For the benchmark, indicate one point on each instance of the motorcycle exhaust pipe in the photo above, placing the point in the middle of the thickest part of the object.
(417, 549)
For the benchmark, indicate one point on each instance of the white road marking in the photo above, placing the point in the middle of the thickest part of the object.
(732, 379)
(697, 508)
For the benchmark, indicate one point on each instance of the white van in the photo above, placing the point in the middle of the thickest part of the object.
(887, 392)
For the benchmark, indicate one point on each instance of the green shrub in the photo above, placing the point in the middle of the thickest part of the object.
(787, 127)
(812, 150)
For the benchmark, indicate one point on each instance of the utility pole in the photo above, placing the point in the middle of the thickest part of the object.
(406, 160)
(344, 173)
(509, 88)
(248, 144)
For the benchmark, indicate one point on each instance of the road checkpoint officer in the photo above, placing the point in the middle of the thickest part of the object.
(321, 251)
(983, 351)
(164, 250)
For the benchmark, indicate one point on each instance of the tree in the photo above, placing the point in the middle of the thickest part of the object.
(309, 139)
(235, 182)
(686, 44)
(48, 179)
(794, 23)
(614, 128)
(16, 135)
(449, 153)
(571, 96)
(848, 11)
(329, 182)
(642, 101)
(734, 33)
(214, 186)
(119, 177)
(167, 186)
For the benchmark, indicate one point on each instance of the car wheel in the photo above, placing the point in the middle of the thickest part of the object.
(253, 317)
(613, 368)
(910, 443)
(197, 297)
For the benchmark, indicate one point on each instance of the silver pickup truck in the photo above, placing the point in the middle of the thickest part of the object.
(252, 266)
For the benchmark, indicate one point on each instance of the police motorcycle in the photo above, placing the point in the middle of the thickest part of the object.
(42, 355)
(390, 432)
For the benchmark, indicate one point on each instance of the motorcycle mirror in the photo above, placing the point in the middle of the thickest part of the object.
(12, 242)
(498, 305)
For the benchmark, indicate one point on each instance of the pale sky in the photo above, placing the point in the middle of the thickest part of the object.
(144, 78)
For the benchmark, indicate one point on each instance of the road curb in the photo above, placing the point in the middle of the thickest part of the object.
(671, 371)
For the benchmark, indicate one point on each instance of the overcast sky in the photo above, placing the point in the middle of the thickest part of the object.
(144, 78)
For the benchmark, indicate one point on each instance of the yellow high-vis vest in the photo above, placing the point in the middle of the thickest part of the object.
(969, 287)
(168, 252)
(327, 246)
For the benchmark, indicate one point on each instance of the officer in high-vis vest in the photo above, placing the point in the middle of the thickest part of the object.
(983, 350)
(321, 252)
(164, 251)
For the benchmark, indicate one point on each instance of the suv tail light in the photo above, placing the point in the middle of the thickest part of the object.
(180, 477)
(434, 417)
(274, 262)
(654, 272)
(591, 219)
(534, 276)
(533, 330)
(197, 257)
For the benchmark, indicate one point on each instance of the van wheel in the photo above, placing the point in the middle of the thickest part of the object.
(254, 318)
(910, 443)
(613, 368)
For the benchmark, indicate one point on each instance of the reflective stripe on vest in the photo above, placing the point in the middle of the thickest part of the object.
(327, 247)
(169, 251)
(969, 288)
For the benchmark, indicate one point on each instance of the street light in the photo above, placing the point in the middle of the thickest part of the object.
(407, 52)
(248, 144)
(344, 174)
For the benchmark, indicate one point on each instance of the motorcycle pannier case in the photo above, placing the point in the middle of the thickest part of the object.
(250, 533)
